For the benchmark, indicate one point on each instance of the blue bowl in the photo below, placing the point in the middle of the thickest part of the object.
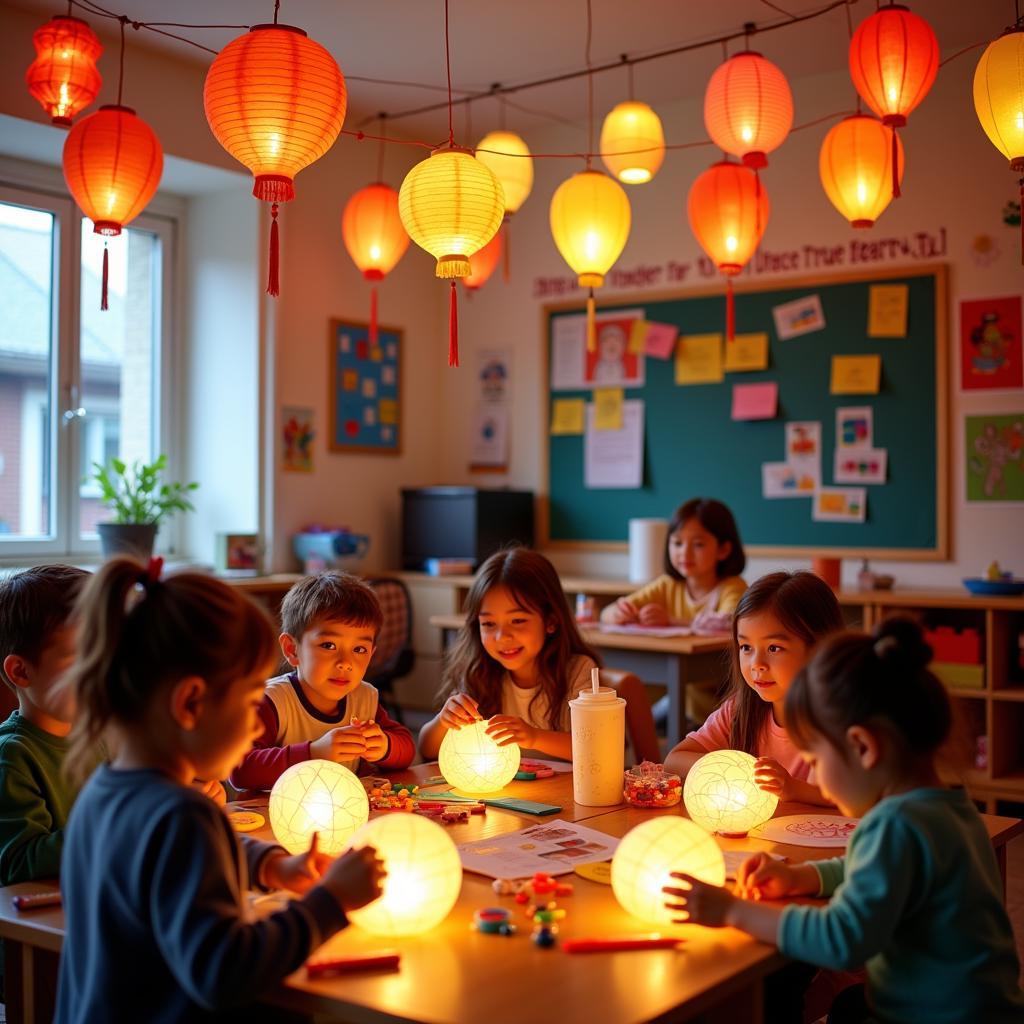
(1005, 587)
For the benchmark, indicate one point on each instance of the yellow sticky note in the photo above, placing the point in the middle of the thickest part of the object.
(699, 359)
(638, 336)
(387, 411)
(887, 311)
(607, 408)
(856, 375)
(376, 353)
(349, 380)
(567, 416)
(746, 352)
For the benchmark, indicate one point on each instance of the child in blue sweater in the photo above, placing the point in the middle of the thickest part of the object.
(918, 898)
(170, 674)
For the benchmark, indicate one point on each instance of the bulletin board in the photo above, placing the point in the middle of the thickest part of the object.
(365, 389)
(693, 447)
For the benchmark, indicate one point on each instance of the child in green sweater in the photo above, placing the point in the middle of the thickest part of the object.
(37, 644)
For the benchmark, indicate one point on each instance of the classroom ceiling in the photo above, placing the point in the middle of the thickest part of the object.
(520, 40)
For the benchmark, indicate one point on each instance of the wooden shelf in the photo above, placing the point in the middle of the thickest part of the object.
(1009, 693)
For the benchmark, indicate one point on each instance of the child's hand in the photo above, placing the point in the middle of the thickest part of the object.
(459, 709)
(342, 744)
(213, 789)
(762, 877)
(506, 729)
(376, 741)
(773, 778)
(697, 902)
(354, 879)
(654, 615)
(298, 872)
(623, 612)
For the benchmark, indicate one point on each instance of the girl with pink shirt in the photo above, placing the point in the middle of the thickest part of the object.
(776, 624)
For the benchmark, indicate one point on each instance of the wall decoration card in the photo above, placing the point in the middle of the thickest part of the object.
(365, 381)
(297, 439)
(990, 344)
(994, 447)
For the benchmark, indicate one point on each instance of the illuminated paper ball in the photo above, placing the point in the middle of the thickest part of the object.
(471, 761)
(647, 856)
(508, 156)
(632, 142)
(424, 875)
(720, 793)
(317, 796)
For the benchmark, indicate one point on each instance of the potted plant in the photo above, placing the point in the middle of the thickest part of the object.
(139, 501)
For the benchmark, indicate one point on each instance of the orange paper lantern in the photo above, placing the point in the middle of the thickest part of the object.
(275, 100)
(748, 108)
(483, 262)
(728, 209)
(894, 57)
(374, 237)
(63, 77)
(856, 170)
(112, 165)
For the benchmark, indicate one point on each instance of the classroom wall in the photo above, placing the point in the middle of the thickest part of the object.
(954, 181)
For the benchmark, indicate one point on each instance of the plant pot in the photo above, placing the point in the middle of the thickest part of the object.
(134, 539)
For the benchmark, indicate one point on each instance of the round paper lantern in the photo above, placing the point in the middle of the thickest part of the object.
(317, 796)
(728, 209)
(374, 238)
(424, 875)
(482, 263)
(856, 169)
(451, 204)
(471, 761)
(720, 793)
(275, 100)
(112, 165)
(648, 854)
(894, 57)
(632, 142)
(508, 157)
(590, 218)
(63, 77)
(748, 108)
(999, 95)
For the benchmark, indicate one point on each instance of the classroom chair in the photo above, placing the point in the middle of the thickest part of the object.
(393, 657)
(643, 736)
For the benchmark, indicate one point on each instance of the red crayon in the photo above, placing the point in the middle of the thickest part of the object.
(621, 943)
(384, 961)
(36, 901)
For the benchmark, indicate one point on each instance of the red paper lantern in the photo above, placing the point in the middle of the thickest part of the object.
(276, 101)
(894, 57)
(63, 77)
(483, 262)
(375, 237)
(748, 108)
(728, 209)
(112, 165)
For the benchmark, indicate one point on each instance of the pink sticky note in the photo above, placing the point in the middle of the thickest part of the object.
(661, 340)
(755, 401)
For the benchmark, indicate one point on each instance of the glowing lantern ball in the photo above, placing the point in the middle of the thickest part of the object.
(317, 796)
(632, 143)
(63, 77)
(483, 263)
(471, 761)
(855, 165)
(508, 157)
(647, 856)
(424, 875)
(720, 793)
(999, 95)
(748, 108)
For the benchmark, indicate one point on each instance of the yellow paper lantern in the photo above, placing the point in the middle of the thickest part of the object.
(647, 856)
(471, 761)
(999, 95)
(424, 875)
(632, 142)
(590, 218)
(317, 796)
(508, 157)
(720, 793)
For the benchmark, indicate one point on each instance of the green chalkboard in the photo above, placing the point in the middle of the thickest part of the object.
(692, 446)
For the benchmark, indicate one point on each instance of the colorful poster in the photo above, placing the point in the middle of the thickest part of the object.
(855, 427)
(799, 317)
(297, 439)
(573, 367)
(364, 395)
(612, 361)
(990, 344)
(493, 374)
(860, 465)
(490, 442)
(567, 416)
(746, 352)
(755, 401)
(699, 359)
(803, 441)
(840, 505)
(856, 375)
(887, 310)
(994, 447)
(783, 480)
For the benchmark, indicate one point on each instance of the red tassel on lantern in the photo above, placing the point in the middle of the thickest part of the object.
(453, 328)
(273, 285)
(106, 275)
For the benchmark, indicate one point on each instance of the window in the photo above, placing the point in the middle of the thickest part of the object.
(78, 384)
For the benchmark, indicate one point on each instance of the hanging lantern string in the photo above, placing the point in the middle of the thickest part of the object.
(448, 69)
(590, 89)
(380, 148)
(849, 29)
(277, 7)
(120, 71)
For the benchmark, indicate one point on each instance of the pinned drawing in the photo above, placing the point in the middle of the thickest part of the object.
(819, 830)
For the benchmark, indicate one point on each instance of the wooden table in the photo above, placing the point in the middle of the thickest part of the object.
(674, 661)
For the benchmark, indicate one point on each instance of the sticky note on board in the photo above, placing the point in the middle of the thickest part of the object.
(638, 336)
(567, 415)
(608, 408)
(856, 375)
(699, 359)
(661, 340)
(755, 401)
(349, 380)
(887, 311)
(746, 352)
(387, 411)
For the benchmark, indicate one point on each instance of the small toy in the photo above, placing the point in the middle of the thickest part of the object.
(536, 769)
(383, 961)
(386, 798)
(494, 921)
(649, 785)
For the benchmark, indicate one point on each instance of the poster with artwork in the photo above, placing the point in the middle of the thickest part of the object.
(855, 427)
(785, 480)
(803, 440)
(574, 368)
(821, 830)
(553, 847)
(801, 316)
(994, 448)
(860, 465)
(297, 439)
(840, 505)
(615, 458)
(990, 344)
(490, 437)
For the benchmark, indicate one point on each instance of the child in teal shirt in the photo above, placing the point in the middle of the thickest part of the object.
(918, 897)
